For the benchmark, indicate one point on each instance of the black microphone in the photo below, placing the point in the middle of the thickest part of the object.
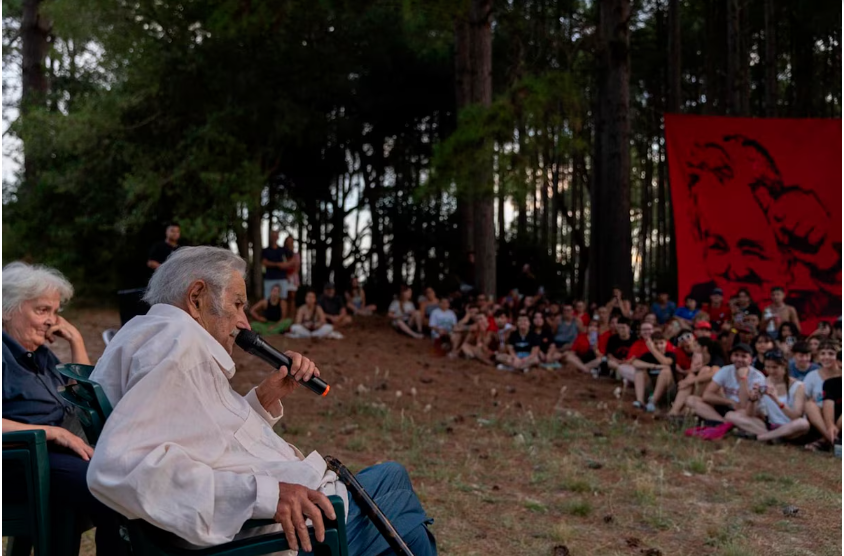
(252, 343)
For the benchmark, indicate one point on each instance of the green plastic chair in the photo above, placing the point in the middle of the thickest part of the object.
(26, 493)
(93, 408)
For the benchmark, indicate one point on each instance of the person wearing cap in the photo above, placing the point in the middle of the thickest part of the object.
(334, 307)
(719, 312)
(703, 329)
(730, 388)
(776, 408)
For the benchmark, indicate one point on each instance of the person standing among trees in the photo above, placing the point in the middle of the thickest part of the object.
(159, 252)
(293, 264)
(274, 261)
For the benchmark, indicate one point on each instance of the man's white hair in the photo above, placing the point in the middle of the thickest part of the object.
(22, 282)
(213, 265)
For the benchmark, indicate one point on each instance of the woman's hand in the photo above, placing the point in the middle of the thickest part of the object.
(67, 439)
(65, 330)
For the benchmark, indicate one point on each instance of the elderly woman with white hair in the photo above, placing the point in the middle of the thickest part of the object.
(32, 298)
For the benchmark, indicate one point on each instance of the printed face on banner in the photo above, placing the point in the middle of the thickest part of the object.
(757, 204)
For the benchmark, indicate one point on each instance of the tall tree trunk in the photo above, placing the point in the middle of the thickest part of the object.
(502, 228)
(771, 84)
(737, 59)
(611, 206)
(256, 271)
(463, 84)
(675, 99)
(484, 209)
(35, 31)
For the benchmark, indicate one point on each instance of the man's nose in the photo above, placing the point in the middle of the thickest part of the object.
(243, 322)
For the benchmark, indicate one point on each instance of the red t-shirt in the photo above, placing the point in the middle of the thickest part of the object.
(492, 326)
(718, 316)
(585, 318)
(684, 360)
(602, 341)
(581, 344)
(639, 348)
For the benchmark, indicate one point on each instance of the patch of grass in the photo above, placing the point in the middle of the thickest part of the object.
(579, 508)
(535, 506)
(562, 532)
(577, 485)
(763, 505)
(356, 444)
(735, 548)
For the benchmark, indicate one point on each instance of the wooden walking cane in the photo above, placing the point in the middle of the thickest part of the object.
(369, 507)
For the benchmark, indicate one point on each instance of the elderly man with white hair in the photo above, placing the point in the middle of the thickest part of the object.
(183, 451)
(32, 298)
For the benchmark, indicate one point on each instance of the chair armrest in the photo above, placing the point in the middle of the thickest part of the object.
(31, 437)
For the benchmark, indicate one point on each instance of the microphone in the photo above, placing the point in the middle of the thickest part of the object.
(253, 344)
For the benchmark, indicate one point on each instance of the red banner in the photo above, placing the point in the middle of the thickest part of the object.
(757, 204)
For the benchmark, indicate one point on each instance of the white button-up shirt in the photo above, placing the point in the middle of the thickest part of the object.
(182, 450)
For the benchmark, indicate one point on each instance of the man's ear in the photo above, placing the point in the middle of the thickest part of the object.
(195, 297)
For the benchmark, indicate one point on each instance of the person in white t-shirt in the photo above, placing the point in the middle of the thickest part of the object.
(404, 314)
(730, 388)
(442, 320)
(813, 385)
(780, 400)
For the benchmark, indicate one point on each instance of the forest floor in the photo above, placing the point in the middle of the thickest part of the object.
(505, 464)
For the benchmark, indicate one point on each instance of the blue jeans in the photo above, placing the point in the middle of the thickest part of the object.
(389, 485)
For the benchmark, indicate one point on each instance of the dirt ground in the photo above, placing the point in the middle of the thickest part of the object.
(525, 464)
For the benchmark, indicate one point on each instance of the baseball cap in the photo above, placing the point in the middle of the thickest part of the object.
(703, 325)
(741, 347)
(717, 291)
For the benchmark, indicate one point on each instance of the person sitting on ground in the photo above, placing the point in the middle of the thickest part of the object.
(185, 452)
(619, 302)
(703, 329)
(604, 337)
(503, 325)
(626, 371)
(618, 346)
(801, 363)
(334, 307)
(686, 348)
(567, 329)
(522, 347)
(777, 312)
(32, 299)
(823, 331)
(479, 341)
(730, 388)
(832, 410)
(761, 345)
(814, 344)
(687, 312)
(404, 315)
(310, 320)
(813, 384)
(603, 316)
(719, 311)
(705, 362)
(586, 355)
(639, 312)
(548, 353)
(780, 400)
(266, 314)
(581, 313)
(787, 336)
(656, 364)
(356, 300)
(672, 330)
(744, 305)
(428, 302)
(663, 307)
(442, 321)
(463, 329)
(836, 332)
(512, 301)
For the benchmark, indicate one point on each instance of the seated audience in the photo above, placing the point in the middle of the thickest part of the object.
(687, 312)
(266, 314)
(801, 363)
(185, 452)
(813, 384)
(442, 320)
(656, 364)
(586, 354)
(822, 331)
(404, 315)
(775, 408)
(705, 362)
(463, 329)
(618, 347)
(581, 313)
(619, 303)
(567, 329)
(603, 315)
(310, 320)
(32, 299)
(356, 300)
(522, 349)
(703, 329)
(777, 312)
(548, 353)
(503, 325)
(761, 345)
(832, 410)
(730, 388)
(480, 341)
(334, 307)
(744, 305)
(663, 308)
(718, 310)
(639, 312)
(814, 344)
(787, 336)
(427, 304)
